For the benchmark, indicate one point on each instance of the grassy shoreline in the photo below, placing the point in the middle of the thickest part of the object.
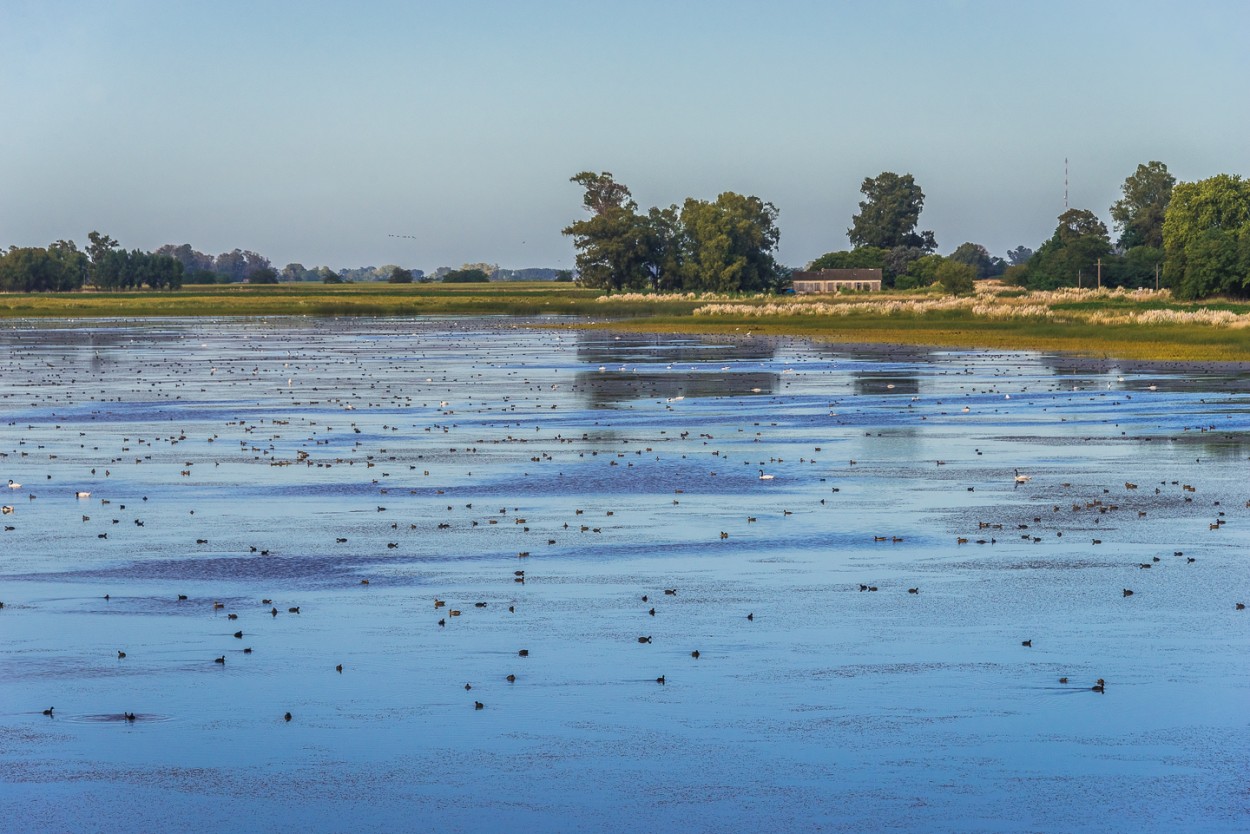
(1142, 326)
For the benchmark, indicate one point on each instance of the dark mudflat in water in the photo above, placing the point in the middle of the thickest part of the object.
(315, 488)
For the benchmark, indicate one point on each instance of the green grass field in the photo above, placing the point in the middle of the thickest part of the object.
(1145, 326)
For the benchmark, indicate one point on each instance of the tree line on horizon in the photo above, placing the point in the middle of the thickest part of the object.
(104, 265)
(63, 267)
(1193, 238)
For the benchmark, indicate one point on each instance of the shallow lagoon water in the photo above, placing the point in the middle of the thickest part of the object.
(232, 461)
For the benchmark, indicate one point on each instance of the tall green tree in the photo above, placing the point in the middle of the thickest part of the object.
(899, 261)
(1019, 256)
(58, 268)
(196, 266)
(613, 243)
(264, 275)
(920, 273)
(113, 270)
(1071, 255)
(955, 276)
(1206, 237)
(99, 246)
(297, 272)
(889, 213)
(725, 245)
(730, 244)
(1140, 213)
(664, 248)
(603, 193)
(71, 267)
(976, 256)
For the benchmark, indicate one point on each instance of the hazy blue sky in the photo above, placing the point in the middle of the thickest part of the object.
(310, 131)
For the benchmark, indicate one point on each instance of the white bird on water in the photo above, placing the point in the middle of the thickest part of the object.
(1022, 479)
(765, 477)
(13, 485)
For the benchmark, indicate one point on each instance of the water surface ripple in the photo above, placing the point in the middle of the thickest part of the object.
(363, 523)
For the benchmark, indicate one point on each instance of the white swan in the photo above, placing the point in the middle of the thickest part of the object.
(13, 485)
(764, 477)
(1022, 479)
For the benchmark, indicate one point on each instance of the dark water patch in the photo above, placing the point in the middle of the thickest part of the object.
(303, 571)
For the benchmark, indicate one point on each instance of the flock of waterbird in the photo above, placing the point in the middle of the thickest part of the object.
(312, 426)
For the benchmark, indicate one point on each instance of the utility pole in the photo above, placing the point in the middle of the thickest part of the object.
(1100, 273)
(1156, 277)
(1078, 279)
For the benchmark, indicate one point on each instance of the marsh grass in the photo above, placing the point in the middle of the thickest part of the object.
(527, 299)
(1137, 325)
(1161, 342)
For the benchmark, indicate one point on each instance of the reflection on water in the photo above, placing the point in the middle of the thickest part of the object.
(597, 347)
(871, 382)
(648, 366)
(376, 525)
(604, 387)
